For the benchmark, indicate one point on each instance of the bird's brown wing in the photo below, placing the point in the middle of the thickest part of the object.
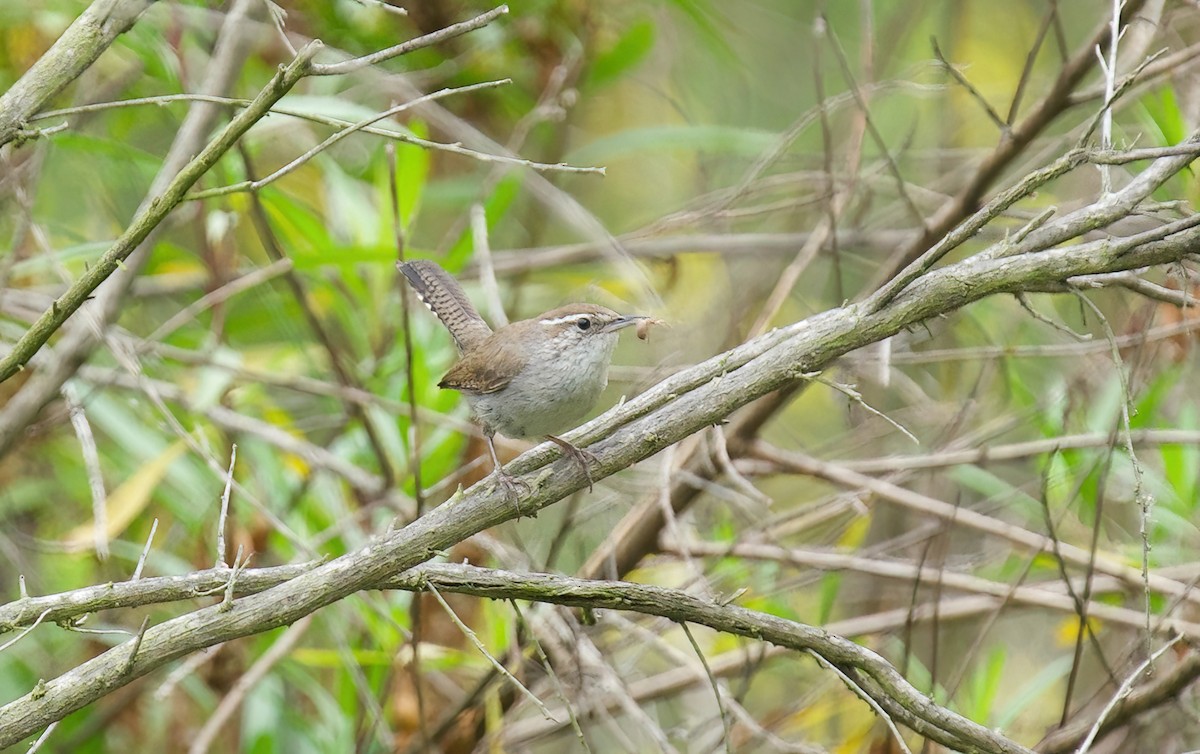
(486, 369)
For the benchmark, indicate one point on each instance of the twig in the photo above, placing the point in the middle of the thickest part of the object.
(137, 572)
(1049, 595)
(42, 738)
(712, 680)
(137, 644)
(381, 5)
(454, 148)
(1145, 500)
(153, 213)
(1122, 692)
(225, 510)
(24, 633)
(1109, 69)
(91, 462)
(255, 185)
(183, 670)
(279, 649)
(278, 16)
(876, 136)
(971, 90)
(549, 668)
(189, 313)
(415, 456)
(428, 40)
(861, 693)
(856, 397)
(471, 636)
(1012, 451)
(969, 519)
(1023, 300)
(230, 585)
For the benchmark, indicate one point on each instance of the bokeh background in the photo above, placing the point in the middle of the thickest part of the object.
(733, 138)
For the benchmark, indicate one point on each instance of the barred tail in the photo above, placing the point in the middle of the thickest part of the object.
(442, 294)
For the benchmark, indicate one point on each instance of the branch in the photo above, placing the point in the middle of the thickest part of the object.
(886, 686)
(153, 212)
(683, 404)
(1056, 100)
(78, 47)
(428, 40)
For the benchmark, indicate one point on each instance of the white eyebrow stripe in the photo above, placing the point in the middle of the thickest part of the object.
(563, 320)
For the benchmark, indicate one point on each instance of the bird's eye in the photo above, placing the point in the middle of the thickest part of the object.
(584, 323)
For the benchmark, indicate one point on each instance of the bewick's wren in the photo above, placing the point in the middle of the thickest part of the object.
(531, 378)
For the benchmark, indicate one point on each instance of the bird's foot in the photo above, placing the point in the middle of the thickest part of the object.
(580, 456)
(511, 486)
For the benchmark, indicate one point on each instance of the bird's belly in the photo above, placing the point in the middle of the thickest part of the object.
(548, 402)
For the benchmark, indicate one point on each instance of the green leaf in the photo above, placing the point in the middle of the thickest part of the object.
(1034, 690)
(831, 586)
(412, 173)
(728, 140)
(1181, 463)
(630, 49)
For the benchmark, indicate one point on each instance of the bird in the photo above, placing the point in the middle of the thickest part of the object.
(534, 378)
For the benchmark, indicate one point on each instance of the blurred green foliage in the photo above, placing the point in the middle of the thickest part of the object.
(677, 100)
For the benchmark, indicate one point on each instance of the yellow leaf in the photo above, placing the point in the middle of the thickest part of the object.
(126, 501)
(1068, 630)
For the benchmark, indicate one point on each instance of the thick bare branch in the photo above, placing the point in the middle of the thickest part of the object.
(684, 404)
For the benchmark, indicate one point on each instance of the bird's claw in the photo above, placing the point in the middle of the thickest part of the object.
(511, 486)
(584, 458)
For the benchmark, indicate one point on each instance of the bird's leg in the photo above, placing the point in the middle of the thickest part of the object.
(505, 481)
(581, 457)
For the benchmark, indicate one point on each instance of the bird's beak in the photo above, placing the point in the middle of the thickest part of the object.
(621, 323)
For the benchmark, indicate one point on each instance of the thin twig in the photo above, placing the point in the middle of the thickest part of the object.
(971, 90)
(91, 462)
(876, 136)
(549, 668)
(415, 457)
(1122, 692)
(712, 680)
(428, 40)
(857, 398)
(137, 644)
(1109, 69)
(861, 693)
(230, 585)
(42, 738)
(188, 314)
(225, 510)
(474, 639)
(1027, 305)
(24, 633)
(406, 138)
(1144, 499)
(279, 649)
(255, 185)
(137, 572)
